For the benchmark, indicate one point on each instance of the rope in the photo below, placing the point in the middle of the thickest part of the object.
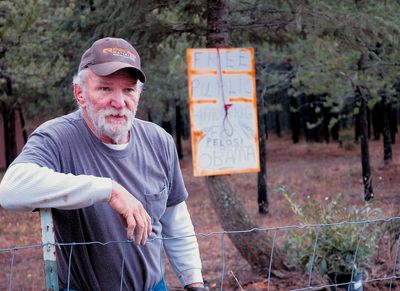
(226, 124)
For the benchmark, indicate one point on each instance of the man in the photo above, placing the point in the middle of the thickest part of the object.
(99, 166)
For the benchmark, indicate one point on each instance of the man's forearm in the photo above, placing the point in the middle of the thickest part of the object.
(183, 252)
(27, 186)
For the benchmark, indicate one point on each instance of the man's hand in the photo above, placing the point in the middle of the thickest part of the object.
(132, 212)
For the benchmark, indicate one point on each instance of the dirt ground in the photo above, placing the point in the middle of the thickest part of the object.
(319, 170)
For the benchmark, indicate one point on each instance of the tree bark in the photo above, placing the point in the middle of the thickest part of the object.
(178, 129)
(387, 141)
(366, 168)
(357, 126)
(262, 192)
(166, 120)
(255, 247)
(278, 124)
(8, 113)
(335, 128)
(393, 123)
(326, 118)
(22, 121)
(149, 116)
(265, 126)
(166, 124)
(10, 140)
(217, 24)
(377, 119)
(295, 122)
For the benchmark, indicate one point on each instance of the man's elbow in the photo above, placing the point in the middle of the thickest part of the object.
(8, 199)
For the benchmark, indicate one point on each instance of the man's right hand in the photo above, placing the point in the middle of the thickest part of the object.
(132, 212)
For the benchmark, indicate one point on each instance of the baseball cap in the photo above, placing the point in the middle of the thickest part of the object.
(108, 55)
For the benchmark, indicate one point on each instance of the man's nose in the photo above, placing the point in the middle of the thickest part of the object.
(118, 100)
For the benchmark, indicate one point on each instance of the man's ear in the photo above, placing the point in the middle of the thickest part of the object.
(78, 92)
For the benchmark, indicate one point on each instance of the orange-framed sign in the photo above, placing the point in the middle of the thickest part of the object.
(223, 111)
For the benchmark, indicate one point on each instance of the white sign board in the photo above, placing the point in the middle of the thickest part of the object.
(223, 111)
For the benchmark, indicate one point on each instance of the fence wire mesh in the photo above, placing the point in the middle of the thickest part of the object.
(15, 275)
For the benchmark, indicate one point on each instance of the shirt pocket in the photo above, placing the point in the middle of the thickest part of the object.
(156, 203)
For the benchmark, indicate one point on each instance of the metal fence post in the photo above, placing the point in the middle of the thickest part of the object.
(49, 250)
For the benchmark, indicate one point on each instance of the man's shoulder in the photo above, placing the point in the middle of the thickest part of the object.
(150, 129)
(61, 128)
(61, 122)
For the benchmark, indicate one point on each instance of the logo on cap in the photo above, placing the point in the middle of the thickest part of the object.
(119, 52)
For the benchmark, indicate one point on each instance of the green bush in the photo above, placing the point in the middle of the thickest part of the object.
(345, 243)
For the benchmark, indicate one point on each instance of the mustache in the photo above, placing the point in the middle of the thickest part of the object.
(112, 111)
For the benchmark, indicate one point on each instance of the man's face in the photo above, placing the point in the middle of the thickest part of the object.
(110, 104)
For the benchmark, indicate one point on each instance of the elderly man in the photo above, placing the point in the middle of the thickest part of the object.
(99, 166)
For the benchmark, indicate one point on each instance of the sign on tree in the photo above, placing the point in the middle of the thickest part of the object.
(223, 111)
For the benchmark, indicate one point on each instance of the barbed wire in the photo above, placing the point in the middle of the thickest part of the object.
(223, 233)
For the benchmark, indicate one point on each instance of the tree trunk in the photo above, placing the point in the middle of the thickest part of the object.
(178, 129)
(265, 126)
(22, 121)
(377, 118)
(262, 178)
(217, 24)
(166, 124)
(357, 126)
(149, 117)
(313, 119)
(262, 191)
(277, 124)
(369, 127)
(366, 168)
(335, 128)
(393, 124)
(255, 247)
(10, 140)
(294, 119)
(360, 123)
(326, 118)
(387, 142)
(8, 112)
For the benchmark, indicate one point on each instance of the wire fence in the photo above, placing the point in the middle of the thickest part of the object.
(387, 279)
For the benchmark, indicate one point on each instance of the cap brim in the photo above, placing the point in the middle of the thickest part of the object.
(106, 69)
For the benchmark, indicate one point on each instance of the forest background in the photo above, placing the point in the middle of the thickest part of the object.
(327, 71)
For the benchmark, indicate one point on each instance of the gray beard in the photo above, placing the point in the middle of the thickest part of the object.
(116, 132)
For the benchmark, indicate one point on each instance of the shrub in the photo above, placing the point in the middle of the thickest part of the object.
(345, 241)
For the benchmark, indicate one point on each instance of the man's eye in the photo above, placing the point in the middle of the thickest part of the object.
(130, 90)
(105, 89)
